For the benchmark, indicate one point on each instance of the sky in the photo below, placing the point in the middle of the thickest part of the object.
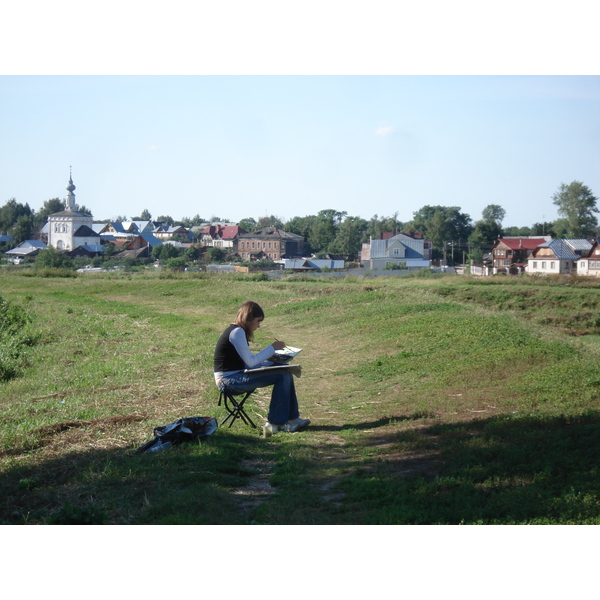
(245, 135)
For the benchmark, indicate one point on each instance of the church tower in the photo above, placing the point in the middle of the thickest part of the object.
(70, 228)
(70, 199)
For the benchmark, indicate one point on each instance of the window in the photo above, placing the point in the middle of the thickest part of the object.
(543, 265)
(506, 262)
(499, 252)
(396, 251)
(552, 265)
(535, 264)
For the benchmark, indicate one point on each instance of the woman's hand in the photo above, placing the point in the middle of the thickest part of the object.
(278, 345)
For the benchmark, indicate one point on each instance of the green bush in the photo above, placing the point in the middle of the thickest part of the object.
(14, 338)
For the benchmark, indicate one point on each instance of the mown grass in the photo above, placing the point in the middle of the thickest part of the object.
(437, 400)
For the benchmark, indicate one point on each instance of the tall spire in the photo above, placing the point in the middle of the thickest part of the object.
(70, 199)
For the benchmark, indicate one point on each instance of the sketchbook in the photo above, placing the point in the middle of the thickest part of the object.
(282, 357)
(293, 369)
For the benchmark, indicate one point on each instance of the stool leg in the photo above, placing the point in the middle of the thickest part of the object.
(236, 410)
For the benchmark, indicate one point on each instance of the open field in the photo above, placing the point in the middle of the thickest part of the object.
(438, 400)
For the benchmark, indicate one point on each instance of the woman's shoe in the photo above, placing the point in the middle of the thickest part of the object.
(269, 429)
(300, 422)
(294, 425)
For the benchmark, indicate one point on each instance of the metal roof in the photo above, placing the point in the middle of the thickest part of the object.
(581, 245)
(561, 250)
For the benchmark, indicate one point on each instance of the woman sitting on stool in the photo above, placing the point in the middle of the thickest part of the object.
(233, 356)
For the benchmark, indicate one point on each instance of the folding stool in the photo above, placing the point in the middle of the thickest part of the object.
(234, 406)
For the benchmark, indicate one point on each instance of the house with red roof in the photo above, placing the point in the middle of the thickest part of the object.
(221, 236)
(514, 252)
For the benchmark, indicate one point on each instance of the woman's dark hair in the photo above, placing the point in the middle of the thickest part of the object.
(248, 312)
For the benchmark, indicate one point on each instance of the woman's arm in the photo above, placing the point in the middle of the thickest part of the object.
(238, 338)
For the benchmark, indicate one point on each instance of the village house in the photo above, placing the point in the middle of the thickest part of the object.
(139, 247)
(408, 248)
(553, 257)
(166, 232)
(302, 265)
(510, 254)
(271, 243)
(221, 236)
(26, 249)
(127, 229)
(589, 263)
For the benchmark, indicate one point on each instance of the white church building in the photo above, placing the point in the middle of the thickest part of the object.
(69, 228)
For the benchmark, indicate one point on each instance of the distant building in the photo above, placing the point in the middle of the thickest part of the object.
(26, 249)
(166, 232)
(514, 251)
(408, 248)
(558, 257)
(300, 265)
(221, 236)
(589, 263)
(271, 243)
(69, 228)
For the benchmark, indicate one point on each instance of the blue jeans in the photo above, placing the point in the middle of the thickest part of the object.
(284, 403)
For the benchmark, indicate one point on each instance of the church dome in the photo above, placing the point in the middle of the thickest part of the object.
(71, 186)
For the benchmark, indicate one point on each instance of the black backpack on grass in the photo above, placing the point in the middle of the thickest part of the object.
(175, 433)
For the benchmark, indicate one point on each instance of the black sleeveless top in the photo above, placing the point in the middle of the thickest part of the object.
(226, 357)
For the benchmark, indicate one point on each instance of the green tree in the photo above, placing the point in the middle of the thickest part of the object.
(489, 229)
(485, 234)
(177, 263)
(300, 225)
(493, 213)
(270, 221)
(165, 219)
(193, 222)
(517, 231)
(163, 252)
(215, 255)
(10, 213)
(192, 253)
(83, 209)
(543, 229)
(577, 205)
(323, 229)
(49, 207)
(145, 216)
(22, 229)
(248, 224)
(348, 239)
(52, 258)
(442, 224)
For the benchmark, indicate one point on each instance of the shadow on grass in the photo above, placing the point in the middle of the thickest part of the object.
(383, 422)
(501, 470)
(186, 484)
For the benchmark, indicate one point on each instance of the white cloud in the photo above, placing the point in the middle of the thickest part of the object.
(383, 131)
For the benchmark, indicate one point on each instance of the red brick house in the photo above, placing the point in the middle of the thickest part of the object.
(514, 251)
(271, 243)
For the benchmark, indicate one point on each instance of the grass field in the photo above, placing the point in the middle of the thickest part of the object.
(433, 400)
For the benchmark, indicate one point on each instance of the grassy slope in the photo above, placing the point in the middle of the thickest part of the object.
(432, 401)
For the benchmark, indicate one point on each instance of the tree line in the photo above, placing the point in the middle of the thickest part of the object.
(453, 234)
